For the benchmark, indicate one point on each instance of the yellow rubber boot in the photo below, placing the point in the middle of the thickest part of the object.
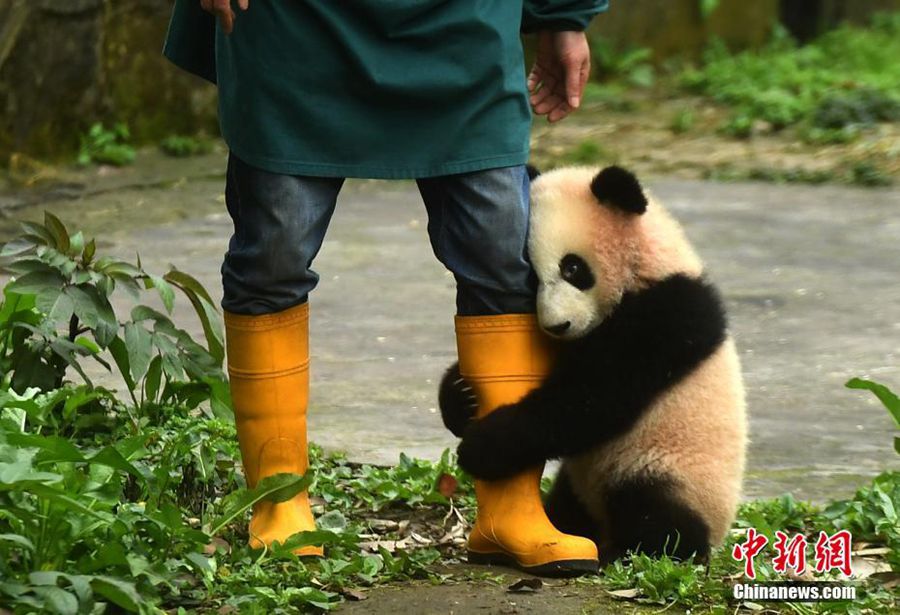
(268, 366)
(503, 357)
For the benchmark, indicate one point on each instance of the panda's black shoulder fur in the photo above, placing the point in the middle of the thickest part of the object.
(601, 384)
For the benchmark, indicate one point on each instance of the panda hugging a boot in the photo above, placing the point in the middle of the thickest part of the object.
(643, 400)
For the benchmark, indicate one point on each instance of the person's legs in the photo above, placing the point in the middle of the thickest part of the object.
(478, 225)
(279, 225)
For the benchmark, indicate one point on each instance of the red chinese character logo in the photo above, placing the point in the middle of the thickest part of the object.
(833, 552)
(748, 550)
(790, 554)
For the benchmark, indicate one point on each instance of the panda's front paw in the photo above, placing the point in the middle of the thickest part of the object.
(488, 451)
(457, 401)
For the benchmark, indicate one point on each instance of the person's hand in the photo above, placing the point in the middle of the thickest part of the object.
(560, 71)
(222, 10)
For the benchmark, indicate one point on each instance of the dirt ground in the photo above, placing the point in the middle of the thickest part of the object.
(635, 128)
(473, 589)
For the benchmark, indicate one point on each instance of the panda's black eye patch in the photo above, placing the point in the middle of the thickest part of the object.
(576, 272)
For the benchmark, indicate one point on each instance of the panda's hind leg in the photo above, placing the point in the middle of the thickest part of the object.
(645, 516)
(566, 512)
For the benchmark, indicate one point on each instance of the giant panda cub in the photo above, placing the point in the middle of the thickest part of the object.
(645, 401)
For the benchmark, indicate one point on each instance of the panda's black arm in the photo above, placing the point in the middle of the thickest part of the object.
(601, 385)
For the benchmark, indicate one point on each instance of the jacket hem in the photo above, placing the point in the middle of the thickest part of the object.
(365, 171)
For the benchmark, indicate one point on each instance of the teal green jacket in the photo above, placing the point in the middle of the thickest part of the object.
(372, 88)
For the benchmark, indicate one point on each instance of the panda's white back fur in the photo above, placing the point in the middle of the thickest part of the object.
(694, 434)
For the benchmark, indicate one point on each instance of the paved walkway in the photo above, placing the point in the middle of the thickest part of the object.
(810, 275)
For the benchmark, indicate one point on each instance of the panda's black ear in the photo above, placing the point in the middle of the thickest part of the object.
(532, 171)
(616, 187)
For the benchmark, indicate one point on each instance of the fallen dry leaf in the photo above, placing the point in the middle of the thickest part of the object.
(215, 544)
(625, 594)
(888, 580)
(524, 586)
(447, 485)
(354, 594)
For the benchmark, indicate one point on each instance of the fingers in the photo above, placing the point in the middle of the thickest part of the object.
(222, 10)
(550, 97)
(244, 4)
(573, 84)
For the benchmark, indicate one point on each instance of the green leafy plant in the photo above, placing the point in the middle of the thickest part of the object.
(630, 65)
(57, 312)
(886, 396)
(846, 77)
(136, 502)
(182, 146)
(682, 121)
(103, 145)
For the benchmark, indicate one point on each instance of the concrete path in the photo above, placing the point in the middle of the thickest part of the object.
(810, 275)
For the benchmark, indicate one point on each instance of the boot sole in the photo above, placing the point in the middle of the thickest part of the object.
(559, 569)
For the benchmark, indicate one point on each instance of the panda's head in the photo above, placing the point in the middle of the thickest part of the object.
(595, 235)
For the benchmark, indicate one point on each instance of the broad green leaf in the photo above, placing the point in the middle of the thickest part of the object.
(884, 394)
(61, 497)
(140, 348)
(315, 597)
(126, 283)
(58, 230)
(35, 282)
(89, 345)
(30, 370)
(69, 352)
(76, 244)
(188, 282)
(85, 307)
(165, 292)
(220, 398)
(39, 232)
(119, 352)
(314, 538)
(153, 379)
(18, 540)
(205, 309)
(201, 563)
(109, 267)
(107, 325)
(52, 448)
(25, 266)
(112, 458)
(118, 592)
(88, 253)
(56, 304)
(276, 488)
(12, 303)
(144, 312)
(16, 247)
(333, 520)
(57, 600)
(80, 397)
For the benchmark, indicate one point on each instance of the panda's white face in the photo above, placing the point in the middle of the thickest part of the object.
(582, 252)
(593, 237)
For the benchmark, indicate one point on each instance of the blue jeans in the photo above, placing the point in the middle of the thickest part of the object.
(477, 224)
